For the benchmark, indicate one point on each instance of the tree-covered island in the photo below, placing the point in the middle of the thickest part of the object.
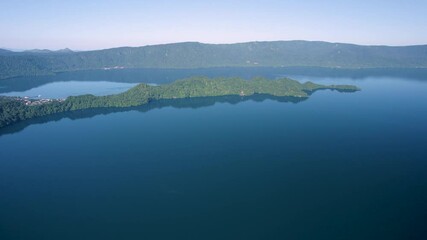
(15, 109)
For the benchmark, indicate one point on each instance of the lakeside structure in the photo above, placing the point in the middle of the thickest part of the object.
(29, 101)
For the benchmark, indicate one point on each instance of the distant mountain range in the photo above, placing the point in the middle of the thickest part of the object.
(7, 52)
(46, 51)
(199, 55)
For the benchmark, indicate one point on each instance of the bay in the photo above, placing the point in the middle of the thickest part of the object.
(72, 88)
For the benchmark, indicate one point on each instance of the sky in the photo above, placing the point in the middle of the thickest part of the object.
(96, 24)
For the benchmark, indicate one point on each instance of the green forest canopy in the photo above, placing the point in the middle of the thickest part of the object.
(198, 55)
(14, 109)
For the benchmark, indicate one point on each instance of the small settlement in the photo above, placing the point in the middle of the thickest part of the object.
(36, 101)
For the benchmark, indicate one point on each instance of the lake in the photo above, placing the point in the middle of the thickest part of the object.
(72, 88)
(334, 166)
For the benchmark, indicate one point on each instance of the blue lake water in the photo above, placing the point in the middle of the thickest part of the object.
(72, 88)
(335, 166)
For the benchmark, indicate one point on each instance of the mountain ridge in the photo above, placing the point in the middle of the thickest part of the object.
(203, 43)
(192, 55)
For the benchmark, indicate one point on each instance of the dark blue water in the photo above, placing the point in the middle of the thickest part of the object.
(336, 166)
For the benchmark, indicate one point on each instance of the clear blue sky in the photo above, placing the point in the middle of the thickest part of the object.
(95, 24)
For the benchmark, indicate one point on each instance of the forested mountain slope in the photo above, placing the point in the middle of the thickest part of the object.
(199, 55)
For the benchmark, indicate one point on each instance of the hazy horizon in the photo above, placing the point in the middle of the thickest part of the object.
(82, 25)
(57, 49)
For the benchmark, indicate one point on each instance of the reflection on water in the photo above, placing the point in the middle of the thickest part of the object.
(338, 166)
(160, 76)
(175, 103)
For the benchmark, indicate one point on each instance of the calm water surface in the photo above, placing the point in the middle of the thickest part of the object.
(72, 88)
(336, 166)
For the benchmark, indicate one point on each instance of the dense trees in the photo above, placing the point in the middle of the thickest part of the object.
(197, 55)
(14, 110)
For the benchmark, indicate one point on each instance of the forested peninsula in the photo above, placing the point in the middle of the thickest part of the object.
(15, 109)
